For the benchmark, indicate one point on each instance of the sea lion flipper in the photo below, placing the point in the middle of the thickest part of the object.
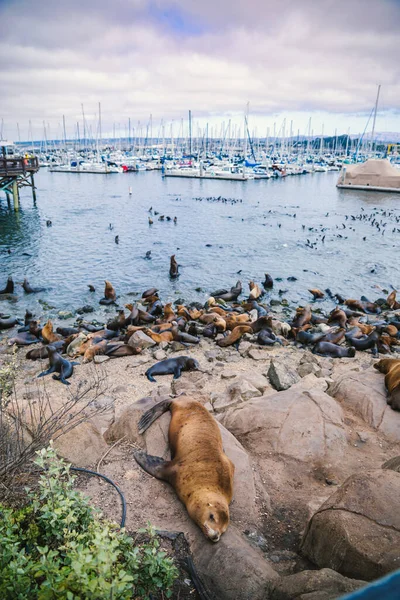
(152, 414)
(50, 370)
(177, 372)
(154, 465)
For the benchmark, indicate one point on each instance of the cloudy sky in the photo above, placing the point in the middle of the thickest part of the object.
(292, 59)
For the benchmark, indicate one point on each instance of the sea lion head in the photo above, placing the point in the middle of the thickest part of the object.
(211, 513)
(192, 364)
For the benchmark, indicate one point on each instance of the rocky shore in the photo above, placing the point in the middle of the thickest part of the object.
(313, 510)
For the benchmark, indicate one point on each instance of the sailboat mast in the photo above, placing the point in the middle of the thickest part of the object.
(376, 110)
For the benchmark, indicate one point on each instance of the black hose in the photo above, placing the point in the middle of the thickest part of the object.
(121, 495)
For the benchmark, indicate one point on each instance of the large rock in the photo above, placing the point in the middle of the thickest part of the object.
(241, 389)
(304, 424)
(314, 585)
(140, 340)
(357, 530)
(365, 393)
(281, 375)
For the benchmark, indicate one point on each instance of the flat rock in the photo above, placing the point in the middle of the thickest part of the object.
(242, 388)
(365, 393)
(304, 424)
(357, 530)
(98, 359)
(282, 376)
(314, 585)
(307, 368)
(160, 355)
(257, 354)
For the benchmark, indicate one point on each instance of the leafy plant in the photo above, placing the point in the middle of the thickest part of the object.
(59, 547)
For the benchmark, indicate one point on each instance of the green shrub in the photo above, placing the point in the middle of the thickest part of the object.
(58, 547)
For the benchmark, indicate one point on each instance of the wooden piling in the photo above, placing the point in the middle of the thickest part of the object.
(33, 189)
(15, 193)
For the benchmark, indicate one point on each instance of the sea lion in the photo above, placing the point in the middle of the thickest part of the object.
(365, 342)
(317, 293)
(255, 291)
(266, 337)
(8, 323)
(27, 337)
(390, 301)
(183, 337)
(332, 350)
(95, 350)
(304, 337)
(172, 366)
(173, 268)
(391, 367)
(200, 471)
(47, 333)
(91, 328)
(363, 306)
(67, 331)
(109, 294)
(231, 296)
(334, 336)
(30, 290)
(269, 282)
(302, 317)
(253, 305)
(150, 292)
(117, 323)
(115, 350)
(42, 352)
(235, 335)
(9, 289)
(60, 365)
(338, 316)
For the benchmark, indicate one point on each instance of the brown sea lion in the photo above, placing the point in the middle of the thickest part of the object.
(317, 293)
(173, 268)
(234, 336)
(116, 350)
(391, 299)
(338, 316)
(200, 471)
(302, 317)
(255, 291)
(109, 294)
(48, 334)
(151, 292)
(169, 314)
(363, 306)
(95, 350)
(391, 368)
(231, 296)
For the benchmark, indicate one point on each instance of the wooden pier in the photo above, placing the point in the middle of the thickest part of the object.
(17, 172)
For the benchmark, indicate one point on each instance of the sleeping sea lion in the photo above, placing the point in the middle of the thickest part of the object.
(364, 343)
(200, 471)
(391, 368)
(328, 349)
(172, 366)
(58, 364)
(8, 323)
(235, 335)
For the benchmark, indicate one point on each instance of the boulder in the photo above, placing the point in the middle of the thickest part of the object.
(233, 569)
(357, 530)
(365, 393)
(242, 388)
(314, 585)
(304, 424)
(307, 368)
(83, 446)
(140, 340)
(257, 354)
(282, 376)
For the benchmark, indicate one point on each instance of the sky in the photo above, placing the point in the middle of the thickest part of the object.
(290, 61)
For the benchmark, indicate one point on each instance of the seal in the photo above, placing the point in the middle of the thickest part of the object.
(391, 368)
(48, 334)
(200, 472)
(172, 366)
(9, 289)
(8, 323)
(255, 291)
(231, 296)
(364, 343)
(173, 268)
(60, 365)
(329, 349)
(317, 293)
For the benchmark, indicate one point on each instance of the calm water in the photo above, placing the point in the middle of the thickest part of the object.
(80, 249)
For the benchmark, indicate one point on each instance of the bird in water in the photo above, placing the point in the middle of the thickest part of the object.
(150, 221)
(116, 239)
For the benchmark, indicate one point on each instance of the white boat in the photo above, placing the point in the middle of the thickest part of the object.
(86, 167)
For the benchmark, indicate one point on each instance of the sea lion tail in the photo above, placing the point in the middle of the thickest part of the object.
(152, 414)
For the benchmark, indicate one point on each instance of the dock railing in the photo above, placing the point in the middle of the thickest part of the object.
(18, 166)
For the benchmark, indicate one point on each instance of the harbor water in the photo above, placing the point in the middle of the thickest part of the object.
(225, 231)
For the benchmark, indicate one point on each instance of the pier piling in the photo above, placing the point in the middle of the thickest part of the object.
(15, 193)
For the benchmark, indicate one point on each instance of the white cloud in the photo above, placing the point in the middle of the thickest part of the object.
(137, 57)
